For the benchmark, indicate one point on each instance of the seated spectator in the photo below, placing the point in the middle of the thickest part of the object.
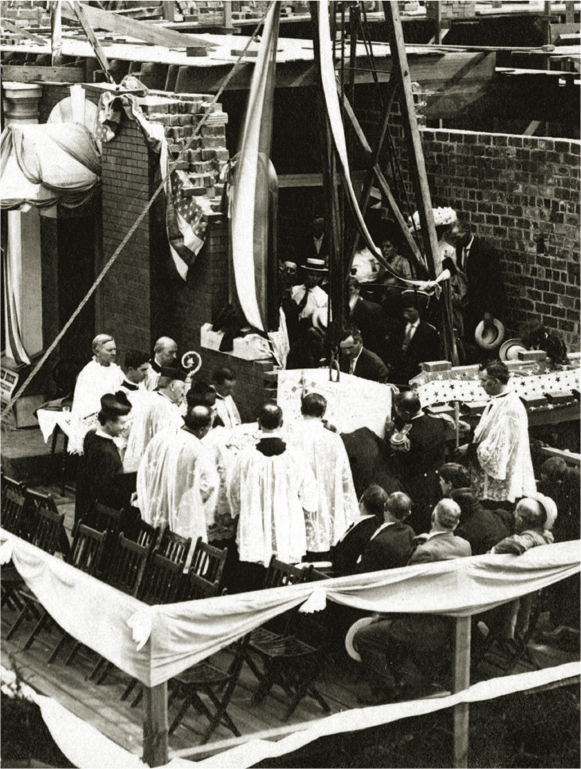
(388, 238)
(440, 544)
(453, 476)
(401, 656)
(534, 519)
(391, 544)
(348, 549)
(481, 527)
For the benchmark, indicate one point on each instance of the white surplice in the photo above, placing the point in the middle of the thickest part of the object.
(93, 382)
(153, 413)
(227, 411)
(338, 506)
(271, 495)
(505, 468)
(177, 484)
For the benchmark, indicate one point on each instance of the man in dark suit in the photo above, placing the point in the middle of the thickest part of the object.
(347, 550)
(313, 244)
(355, 359)
(415, 341)
(369, 318)
(391, 545)
(481, 527)
(415, 464)
(400, 656)
(478, 267)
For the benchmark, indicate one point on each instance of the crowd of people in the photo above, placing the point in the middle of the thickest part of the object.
(162, 447)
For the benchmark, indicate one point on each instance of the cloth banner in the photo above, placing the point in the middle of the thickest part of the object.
(171, 638)
(11, 290)
(46, 164)
(253, 193)
(87, 748)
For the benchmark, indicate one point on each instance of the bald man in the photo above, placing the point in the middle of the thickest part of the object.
(165, 353)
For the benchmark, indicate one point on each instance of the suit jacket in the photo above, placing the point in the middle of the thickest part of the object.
(305, 249)
(368, 366)
(369, 461)
(443, 546)
(370, 320)
(482, 529)
(425, 345)
(390, 549)
(348, 549)
(485, 286)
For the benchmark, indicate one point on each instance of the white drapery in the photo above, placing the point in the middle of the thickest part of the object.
(175, 636)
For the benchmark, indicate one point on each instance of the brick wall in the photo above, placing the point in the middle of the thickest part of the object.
(521, 193)
(124, 298)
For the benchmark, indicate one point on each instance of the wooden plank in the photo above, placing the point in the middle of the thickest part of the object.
(21, 31)
(29, 74)
(155, 725)
(568, 456)
(141, 30)
(461, 682)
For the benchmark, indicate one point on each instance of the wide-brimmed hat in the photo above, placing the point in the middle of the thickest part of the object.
(359, 625)
(510, 349)
(489, 338)
(315, 265)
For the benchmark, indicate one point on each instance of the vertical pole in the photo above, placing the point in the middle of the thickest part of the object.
(438, 34)
(461, 682)
(168, 7)
(155, 727)
(569, 12)
(56, 31)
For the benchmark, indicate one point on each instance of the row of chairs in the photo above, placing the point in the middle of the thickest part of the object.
(149, 565)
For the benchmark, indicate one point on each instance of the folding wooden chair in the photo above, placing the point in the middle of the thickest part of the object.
(126, 574)
(288, 658)
(208, 562)
(173, 547)
(46, 523)
(216, 684)
(12, 506)
(85, 555)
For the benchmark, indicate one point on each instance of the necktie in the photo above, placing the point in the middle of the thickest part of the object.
(409, 332)
(351, 365)
(303, 302)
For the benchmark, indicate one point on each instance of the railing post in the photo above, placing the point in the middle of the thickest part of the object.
(155, 728)
(461, 681)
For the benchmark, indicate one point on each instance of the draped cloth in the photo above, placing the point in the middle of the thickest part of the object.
(93, 382)
(254, 192)
(153, 413)
(11, 291)
(175, 636)
(177, 484)
(269, 494)
(338, 506)
(45, 164)
(505, 468)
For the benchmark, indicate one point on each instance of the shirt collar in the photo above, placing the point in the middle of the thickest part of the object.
(102, 434)
(129, 385)
(381, 528)
(416, 324)
(155, 366)
(469, 245)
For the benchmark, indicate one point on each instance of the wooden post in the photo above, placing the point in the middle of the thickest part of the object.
(168, 8)
(56, 31)
(569, 12)
(81, 12)
(461, 682)
(438, 34)
(155, 726)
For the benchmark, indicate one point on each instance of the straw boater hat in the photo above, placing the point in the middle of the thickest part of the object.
(510, 349)
(548, 505)
(359, 625)
(315, 265)
(489, 338)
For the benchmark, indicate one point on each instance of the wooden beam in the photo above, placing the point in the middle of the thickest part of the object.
(30, 74)
(120, 25)
(81, 14)
(9, 25)
(155, 726)
(56, 31)
(383, 183)
(461, 682)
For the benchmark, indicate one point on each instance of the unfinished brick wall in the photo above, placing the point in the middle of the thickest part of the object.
(521, 193)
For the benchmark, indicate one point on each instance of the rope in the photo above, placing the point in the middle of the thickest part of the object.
(125, 240)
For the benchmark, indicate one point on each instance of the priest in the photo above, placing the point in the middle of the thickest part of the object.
(177, 483)
(338, 506)
(158, 411)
